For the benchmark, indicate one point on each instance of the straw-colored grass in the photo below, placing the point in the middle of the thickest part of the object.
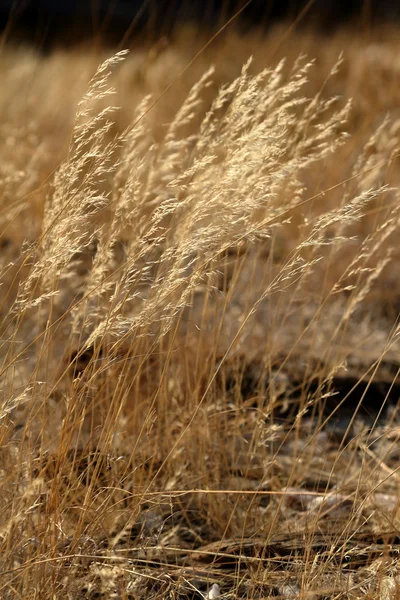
(199, 337)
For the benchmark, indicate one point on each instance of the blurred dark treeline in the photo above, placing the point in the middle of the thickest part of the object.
(49, 22)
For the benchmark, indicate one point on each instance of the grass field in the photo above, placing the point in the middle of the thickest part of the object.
(199, 347)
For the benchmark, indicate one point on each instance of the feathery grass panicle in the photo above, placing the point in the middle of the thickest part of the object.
(187, 195)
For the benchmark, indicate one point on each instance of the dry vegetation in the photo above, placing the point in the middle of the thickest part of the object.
(199, 336)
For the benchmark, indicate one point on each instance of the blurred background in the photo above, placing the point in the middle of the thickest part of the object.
(53, 22)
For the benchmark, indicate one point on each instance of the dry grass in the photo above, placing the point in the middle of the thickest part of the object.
(199, 319)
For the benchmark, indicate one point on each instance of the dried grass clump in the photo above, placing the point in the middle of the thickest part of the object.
(174, 325)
